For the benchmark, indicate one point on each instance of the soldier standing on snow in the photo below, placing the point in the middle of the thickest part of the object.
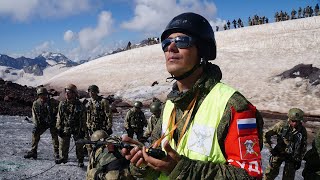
(44, 113)
(71, 121)
(135, 121)
(99, 114)
(291, 145)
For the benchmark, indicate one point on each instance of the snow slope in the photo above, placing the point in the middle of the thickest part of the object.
(249, 57)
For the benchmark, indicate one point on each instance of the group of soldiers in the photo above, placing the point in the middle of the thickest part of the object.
(91, 120)
(279, 16)
(302, 13)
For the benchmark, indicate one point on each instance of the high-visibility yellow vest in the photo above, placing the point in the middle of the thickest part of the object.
(200, 141)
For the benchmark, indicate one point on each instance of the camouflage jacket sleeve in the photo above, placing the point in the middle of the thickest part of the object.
(83, 118)
(274, 130)
(35, 114)
(148, 130)
(107, 112)
(193, 169)
(59, 124)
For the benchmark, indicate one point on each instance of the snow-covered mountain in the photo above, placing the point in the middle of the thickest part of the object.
(28, 71)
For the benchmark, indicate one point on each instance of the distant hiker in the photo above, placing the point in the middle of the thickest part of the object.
(217, 28)
(316, 10)
(249, 21)
(234, 22)
(44, 111)
(71, 121)
(267, 20)
(293, 14)
(299, 12)
(228, 24)
(128, 46)
(240, 24)
(225, 27)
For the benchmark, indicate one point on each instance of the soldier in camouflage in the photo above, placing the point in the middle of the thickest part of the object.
(135, 121)
(290, 148)
(198, 127)
(44, 111)
(155, 109)
(71, 121)
(106, 161)
(99, 114)
(311, 169)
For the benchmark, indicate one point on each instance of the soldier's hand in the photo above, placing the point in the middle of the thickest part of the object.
(135, 154)
(166, 164)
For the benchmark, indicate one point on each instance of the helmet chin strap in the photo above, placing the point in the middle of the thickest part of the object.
(185, 75)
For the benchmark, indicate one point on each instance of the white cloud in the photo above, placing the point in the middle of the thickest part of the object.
(90, 38)
(153, 15)
(26, 9)
(69, 36)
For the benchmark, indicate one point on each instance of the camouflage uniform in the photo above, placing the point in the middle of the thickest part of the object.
(193, 169)
(99, 115)
(44, 117)
(106, 162)
(151, 122)
(71, 121)
(311, 169)
(134, 122)
(291, 146)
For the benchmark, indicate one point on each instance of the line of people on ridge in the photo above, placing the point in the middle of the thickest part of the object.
(207, 129)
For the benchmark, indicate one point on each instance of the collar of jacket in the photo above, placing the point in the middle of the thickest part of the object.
(210, 77)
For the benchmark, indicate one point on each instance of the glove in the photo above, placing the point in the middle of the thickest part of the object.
(297, 165)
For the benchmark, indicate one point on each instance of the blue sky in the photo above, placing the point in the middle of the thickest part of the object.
(86, 28)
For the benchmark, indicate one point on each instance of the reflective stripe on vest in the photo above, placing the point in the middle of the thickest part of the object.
(200, 140)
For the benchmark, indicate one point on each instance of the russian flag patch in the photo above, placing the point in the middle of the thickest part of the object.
(247, 126)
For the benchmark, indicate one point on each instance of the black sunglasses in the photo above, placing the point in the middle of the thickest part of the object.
(181, 42)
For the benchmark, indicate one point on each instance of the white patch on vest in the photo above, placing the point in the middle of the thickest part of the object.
(200, 139)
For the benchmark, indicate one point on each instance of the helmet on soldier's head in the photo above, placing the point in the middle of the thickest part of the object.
(72, 88)
(98, 135)
(295, 114)
(138, 104)
(93, 88)
(155, 107)
(197, 27)
(42, 90)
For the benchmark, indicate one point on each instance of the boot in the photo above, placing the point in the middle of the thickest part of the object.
(59, 161)
(80, 163)
(30, 154)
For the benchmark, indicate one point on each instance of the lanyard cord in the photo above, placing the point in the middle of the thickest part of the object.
(174, 125)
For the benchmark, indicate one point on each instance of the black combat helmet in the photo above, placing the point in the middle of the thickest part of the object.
(42, 90)
(93, 88)
(198, 27)
(155, 107)
(138, 104)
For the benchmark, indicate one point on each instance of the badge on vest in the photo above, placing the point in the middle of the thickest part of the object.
(200, 139)
(249, 147)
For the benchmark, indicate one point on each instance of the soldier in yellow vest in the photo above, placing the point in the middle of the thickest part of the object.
(207, 129)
